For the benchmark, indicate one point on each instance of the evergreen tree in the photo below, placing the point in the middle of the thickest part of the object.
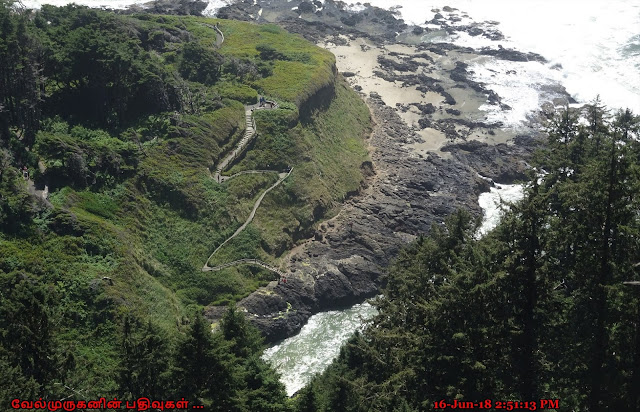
(306, 400)
(204, 368)
(27, 345)
(244, 339)
(341, 398)
(264, 391)
(144, 361)
(21, 81)
(521, 231)
(535, 309)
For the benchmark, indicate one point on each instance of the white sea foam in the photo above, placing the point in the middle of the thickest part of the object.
(596, 42)
(215, 5)
(356, 7)
(521, 85)
(492, 204)
(300, 357)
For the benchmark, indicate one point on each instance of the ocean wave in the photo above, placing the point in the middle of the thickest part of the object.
(596, 43)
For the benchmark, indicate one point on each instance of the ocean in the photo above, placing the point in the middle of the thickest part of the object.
(593, 48)
(301, 356)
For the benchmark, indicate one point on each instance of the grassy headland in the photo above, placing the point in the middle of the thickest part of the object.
(134, 113)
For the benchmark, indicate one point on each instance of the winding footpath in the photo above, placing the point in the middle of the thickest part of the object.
(249, 134)
(208, 268)
(219, 36)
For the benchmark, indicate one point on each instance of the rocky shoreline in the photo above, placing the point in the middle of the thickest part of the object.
(429, 147)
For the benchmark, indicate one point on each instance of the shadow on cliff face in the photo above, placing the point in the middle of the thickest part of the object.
(320, 101)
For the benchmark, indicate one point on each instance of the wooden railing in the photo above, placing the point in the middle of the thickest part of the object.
(245, 262)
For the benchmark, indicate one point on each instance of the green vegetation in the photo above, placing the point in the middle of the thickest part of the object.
(123, 117)
(220, 370)
(535, 310)
(327, 155)
(101, 287)
(297, 68)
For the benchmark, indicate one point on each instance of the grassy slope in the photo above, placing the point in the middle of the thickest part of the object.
(138, 245)
(326, 154)
(309, 69)
(305, 70)
(331, 150)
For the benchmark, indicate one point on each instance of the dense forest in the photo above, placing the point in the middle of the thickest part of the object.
(121, 120)
(536, 310)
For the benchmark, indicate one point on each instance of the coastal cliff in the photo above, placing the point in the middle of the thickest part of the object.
(430, 156)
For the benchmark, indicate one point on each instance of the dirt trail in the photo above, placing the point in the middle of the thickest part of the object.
(238, 262)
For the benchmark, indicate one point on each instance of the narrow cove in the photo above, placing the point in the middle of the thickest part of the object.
(309, 352)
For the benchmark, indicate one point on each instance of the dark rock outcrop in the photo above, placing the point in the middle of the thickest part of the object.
(344, 262)
(306, 7)
(512, 55)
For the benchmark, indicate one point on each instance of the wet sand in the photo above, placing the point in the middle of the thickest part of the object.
(358, 60)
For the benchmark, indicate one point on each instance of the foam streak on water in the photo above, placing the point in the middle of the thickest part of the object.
(521, 86)
(300, 357)
(492, 204)
(214, 6)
